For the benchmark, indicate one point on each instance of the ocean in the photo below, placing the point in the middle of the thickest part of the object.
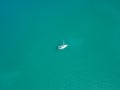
(30, 32)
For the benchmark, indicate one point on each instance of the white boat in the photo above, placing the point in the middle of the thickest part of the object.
(63, 46)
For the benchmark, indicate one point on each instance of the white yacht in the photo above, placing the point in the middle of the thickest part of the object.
(63, 46)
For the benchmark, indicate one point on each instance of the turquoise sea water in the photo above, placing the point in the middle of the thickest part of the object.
(31, 30)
